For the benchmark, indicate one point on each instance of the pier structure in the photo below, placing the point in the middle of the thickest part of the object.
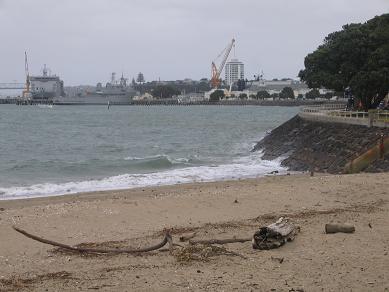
(11, 86)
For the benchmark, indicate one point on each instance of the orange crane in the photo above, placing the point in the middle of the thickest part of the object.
(215, 79)
(26, 91)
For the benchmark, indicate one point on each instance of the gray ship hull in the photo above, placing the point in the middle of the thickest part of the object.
(114, 93)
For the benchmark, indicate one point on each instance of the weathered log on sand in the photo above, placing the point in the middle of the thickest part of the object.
(339, 227)
(167, 240)
(274, 235)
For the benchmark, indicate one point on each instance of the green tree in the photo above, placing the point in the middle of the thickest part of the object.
(327, 95)
(357, 56)
(287, 93)
(263, 94)
(243, 96)
(241, 83)
(164, 91)
(216, 95)
(312, 94)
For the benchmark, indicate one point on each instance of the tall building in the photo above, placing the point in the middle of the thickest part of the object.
(234, 71)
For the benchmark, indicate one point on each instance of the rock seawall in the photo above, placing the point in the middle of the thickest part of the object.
(325, 147)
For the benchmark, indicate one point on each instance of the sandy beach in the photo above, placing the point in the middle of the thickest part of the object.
(314, 261)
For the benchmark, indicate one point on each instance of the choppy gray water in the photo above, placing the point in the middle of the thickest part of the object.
(69, 149)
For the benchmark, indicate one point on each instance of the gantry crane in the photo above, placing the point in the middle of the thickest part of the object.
(215, 79)
(26, 91)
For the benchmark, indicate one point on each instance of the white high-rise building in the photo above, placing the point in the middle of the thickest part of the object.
(234, 71)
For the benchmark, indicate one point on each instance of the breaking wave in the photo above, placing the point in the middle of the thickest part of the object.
(245, 167)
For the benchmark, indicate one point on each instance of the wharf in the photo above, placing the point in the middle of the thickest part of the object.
(171, 102)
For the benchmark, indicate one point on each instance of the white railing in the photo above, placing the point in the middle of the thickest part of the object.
(337, 113)
(349, 114)
(382, 116)
(324, 107)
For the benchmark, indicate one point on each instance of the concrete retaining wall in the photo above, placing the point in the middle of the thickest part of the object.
(323, 146)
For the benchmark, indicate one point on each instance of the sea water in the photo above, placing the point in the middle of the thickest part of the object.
(70, 149)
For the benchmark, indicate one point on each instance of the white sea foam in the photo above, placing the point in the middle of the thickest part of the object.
(145, 158)
(246, 167)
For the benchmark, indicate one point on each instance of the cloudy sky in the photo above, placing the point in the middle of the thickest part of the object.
(83, 41)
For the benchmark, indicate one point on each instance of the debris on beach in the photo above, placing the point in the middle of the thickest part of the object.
(167, 240)
(339, 227)
(187, 237)
(268, 237)
(202, 252)
(274, 235)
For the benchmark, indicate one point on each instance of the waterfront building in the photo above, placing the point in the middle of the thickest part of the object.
(234, 71)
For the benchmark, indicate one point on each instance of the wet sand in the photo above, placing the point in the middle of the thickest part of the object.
(314, 261)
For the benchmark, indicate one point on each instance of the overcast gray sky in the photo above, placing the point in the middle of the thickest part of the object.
(83, 41)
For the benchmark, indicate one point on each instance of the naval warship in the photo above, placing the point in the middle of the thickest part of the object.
(44, 88)
(115, 92)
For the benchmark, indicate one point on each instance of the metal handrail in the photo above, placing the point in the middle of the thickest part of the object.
(323, 107)
(350, 114)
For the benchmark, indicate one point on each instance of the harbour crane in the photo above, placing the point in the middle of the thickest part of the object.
(215, 79)
(26, 91)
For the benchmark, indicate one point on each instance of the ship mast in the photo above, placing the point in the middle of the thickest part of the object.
(27, 89)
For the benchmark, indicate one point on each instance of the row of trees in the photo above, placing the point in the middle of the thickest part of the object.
(219, 94)
(355, 57)
(164, 91)
(168, 91)
(172, 88)
(176, 87)
(286, 93)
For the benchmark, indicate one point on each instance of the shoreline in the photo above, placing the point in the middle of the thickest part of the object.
(136, 217)
(253, 167)
(169, 102)
(135, 191)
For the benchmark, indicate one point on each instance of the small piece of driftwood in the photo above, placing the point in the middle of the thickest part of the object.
(339, 227)
(274, 235)
(166, 240)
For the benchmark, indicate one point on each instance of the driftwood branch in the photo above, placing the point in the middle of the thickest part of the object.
(220, 241)
(274, 235)
(167, 239)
